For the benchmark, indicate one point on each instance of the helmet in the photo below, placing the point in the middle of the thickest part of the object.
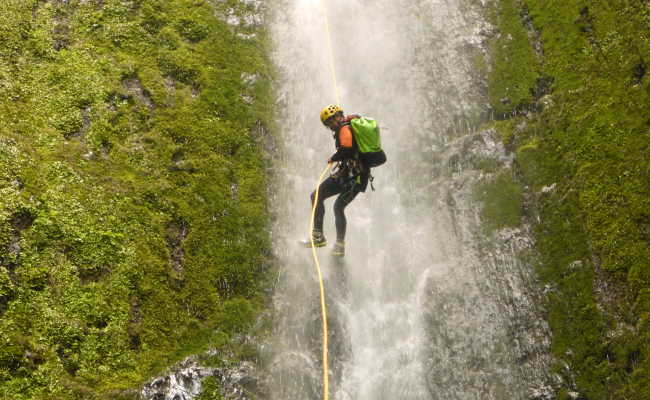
(329, 111)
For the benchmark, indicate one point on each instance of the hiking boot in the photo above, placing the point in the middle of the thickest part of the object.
(318, 239)
(339, 249)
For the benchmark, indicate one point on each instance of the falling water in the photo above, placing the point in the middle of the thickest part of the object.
(424, 306)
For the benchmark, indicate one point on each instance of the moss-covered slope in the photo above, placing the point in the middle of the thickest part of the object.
(570, 77)
(132, 191)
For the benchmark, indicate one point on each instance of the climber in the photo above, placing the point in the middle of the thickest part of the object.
(348, 179)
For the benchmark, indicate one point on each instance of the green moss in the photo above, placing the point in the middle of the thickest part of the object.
(502, 201)
(514, 66)
(506, 131)
(210, 390)
(585, 146)
(117, 120)
(526, 156)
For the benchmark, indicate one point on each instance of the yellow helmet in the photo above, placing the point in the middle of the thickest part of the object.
(329, 111)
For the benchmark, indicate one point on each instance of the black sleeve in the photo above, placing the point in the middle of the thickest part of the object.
(343, 153)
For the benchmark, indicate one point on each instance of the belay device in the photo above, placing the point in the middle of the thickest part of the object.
(366, 134)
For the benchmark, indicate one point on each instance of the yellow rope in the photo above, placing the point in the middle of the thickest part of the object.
(331, 51)
(322, 288)
(313, 212)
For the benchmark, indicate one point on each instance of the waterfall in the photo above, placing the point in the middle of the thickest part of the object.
(424, 305)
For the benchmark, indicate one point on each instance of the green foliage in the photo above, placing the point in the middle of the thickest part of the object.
(586, 147)
(236, 316)
(118, 119)
(502, 199)
(526, 156)
(514, 66)
(180, 65)
(210, 390)
(506, 131)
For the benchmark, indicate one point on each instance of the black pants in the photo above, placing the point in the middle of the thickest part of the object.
(347, 191)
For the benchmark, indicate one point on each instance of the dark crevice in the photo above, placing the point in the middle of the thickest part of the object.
(20, 221)
(585, 22)
(543, 86)
(99, 324)
(643, 222)
(586, 25)
(180, 164)
(65, 356)
(533, 34)
(135, 89)
(85, 121)
(632, 361)
(60, 35)
(639, 72)
(178, 155)
(609, 356)
(177, 231)
(61, 38)
(135, 322)
(88, 277)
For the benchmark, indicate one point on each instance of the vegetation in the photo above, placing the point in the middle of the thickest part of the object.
(574, 75)
(510, 88)
(502, 201)
(210, 390)
(132, 187)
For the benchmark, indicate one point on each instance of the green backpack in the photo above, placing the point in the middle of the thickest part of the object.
(366, 134)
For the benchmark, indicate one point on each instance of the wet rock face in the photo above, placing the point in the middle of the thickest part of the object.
(185, 381)
(493, 292)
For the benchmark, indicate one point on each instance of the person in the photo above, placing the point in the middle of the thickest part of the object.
(348, 179)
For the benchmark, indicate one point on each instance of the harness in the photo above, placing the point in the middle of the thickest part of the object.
(350, 170)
